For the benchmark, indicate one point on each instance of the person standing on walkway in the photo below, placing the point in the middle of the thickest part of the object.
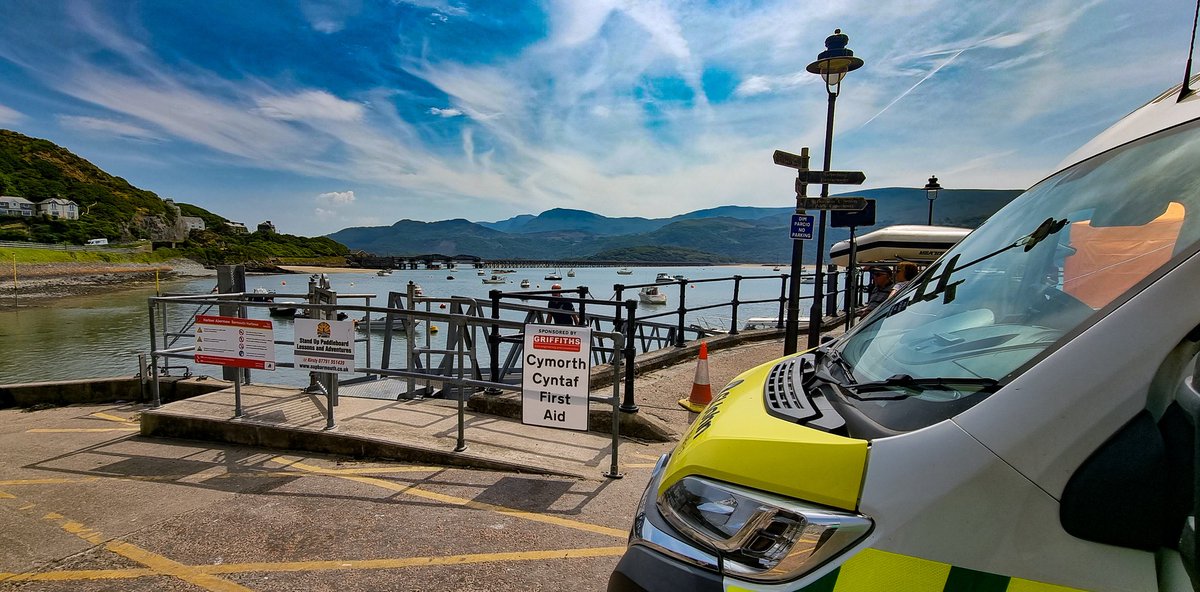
(558, 303)
(880, 289)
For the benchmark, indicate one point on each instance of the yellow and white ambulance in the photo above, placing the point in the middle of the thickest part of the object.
(1023, 416)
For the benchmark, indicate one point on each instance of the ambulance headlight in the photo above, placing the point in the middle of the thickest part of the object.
(760, 536)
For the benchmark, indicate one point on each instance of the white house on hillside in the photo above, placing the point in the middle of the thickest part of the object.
(59, 208)
(193, 222)
(15, 206)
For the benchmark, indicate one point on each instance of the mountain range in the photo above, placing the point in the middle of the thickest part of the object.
(726, 233)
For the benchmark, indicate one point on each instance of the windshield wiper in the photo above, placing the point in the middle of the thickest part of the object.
(835, 356)
(917, 385)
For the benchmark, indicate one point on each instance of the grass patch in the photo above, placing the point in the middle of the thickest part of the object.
(25, 256)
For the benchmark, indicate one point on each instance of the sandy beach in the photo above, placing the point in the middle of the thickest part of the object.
(39, 284)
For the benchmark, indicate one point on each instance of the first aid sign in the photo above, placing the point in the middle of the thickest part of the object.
(555, 372)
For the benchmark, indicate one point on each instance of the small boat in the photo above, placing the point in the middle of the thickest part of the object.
(416, 288)
(383, 272)
(282, 312)
(303, 314)
(904, 242)
(261, 294)
(663, 278)
(651, 295)
(624, 271)
(524, 283)
(680, 277)
(480, 272)
(570, 273)
(553, 276)
(776, 268)
(449, 277)
(495, 279)
(379, 323)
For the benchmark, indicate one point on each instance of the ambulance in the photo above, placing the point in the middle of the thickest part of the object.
(1022, 417)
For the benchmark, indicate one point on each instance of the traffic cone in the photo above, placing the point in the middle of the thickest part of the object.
(701, 391)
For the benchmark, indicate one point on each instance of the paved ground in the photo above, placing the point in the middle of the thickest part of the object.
(87, 504)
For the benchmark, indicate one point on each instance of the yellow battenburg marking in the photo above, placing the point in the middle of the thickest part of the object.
(457, 501)
(412, 561)
(107, 417)
(78, 430)
(1019, 585)
(872, 570)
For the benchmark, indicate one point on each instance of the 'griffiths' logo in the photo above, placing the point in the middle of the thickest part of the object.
(557, 343)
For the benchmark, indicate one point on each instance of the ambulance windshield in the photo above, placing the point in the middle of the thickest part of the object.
(1046, 264)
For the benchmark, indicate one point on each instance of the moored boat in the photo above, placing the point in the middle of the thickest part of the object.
(905, 242)
(652, 295)
(383, 272)
(624, 271)
(495, 279)
(524, 283)
(663, 278)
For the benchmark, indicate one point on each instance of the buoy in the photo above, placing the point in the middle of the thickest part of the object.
(442, 305)
(433, 329)
(283, 283)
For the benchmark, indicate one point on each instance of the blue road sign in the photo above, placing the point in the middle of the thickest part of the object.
(802, 225)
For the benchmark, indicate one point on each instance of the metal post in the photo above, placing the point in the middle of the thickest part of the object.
(852, 280)
(494, 341)
(679, 340)
(783, 286)
(462, 438)
(613, 469)
(157, 402)
(792, 334)
(831, 278)
(737, 283)
(582, 290)
(814, 320)
(628, 405)
(237, 393)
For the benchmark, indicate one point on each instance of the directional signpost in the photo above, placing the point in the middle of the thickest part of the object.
(834, 203)
(834, 177)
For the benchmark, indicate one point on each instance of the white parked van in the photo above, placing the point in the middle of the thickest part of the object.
(1022, 416)
(98, 241)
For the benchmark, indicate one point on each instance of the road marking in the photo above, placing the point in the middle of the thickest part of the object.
(412, 561)
(157, 563)
(649, 456)
(78, 430)
(457, 501)
(207, 475)
(105, 416)
(6, 495)
(639, 465)
(319, 565)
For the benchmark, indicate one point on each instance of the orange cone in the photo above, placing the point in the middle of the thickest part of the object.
(701, 391)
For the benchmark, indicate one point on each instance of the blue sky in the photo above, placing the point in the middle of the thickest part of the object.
(324, 115)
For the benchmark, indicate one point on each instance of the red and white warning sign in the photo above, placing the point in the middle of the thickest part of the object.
(233, 341)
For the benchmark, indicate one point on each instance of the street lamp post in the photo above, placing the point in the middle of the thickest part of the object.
(832, 65)
(931, 192)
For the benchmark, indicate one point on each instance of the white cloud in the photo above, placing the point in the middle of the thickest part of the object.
(447, 112)
(107, 126)
(337, 197)
(307, 105)
(9, 115)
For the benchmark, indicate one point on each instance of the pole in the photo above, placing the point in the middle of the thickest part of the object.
(237, 393)
(851, 280)
(157, 400)
(814, 316)
(792, 332)
(930, 222)
(614, 470)
(14, 280)
(461, 391)
(628, 406)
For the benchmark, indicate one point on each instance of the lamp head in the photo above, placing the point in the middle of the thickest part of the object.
(836, 61)
(932, 188)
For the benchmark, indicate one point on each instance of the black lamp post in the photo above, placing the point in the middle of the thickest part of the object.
(931, 191)
(832, 65)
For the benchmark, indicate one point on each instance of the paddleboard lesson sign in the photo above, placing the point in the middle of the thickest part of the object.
(325, 346)
(555, 376)
(233, 341)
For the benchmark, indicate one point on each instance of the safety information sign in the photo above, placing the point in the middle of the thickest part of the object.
(555, 376)
(233, 341)
(326, 346)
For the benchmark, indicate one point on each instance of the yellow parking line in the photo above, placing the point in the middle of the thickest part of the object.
(105, 416)
(320, 565)
(78, 430)
(411, 561)
(6, 495)
(458, 501)
(157, 563)
(82, 574)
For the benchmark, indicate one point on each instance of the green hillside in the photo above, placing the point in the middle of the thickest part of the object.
(111, 208)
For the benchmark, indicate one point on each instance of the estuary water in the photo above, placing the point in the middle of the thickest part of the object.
(101, 335)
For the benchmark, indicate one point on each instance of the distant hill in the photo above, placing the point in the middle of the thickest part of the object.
(110, 207)
(726, 233)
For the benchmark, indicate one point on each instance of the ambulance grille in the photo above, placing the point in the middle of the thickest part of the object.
(783, 395)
